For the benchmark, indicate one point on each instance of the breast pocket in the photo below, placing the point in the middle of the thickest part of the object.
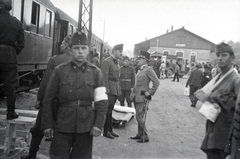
(66, 87)
(114, 73)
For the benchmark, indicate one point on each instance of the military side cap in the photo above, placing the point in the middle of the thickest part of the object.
(144, 54)
(78, 38)
(223, 47)
(118, 47)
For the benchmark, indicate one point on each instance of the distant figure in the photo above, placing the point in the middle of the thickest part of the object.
(11, 44)
(111, 74)
(127, 82)
(142, 93)
(162, 70)
(95, 60)
(176, 74)
(207, 75)
(194, 81)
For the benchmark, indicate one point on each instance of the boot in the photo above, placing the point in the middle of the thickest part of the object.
(12, 115)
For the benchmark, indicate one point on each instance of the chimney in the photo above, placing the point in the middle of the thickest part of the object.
(167, 30)
(171, 28)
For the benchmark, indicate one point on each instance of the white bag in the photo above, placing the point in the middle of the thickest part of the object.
(210, 111)
(186, 91)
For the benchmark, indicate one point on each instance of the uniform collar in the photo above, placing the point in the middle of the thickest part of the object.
(76, 66)
(114, 60)
(4, 12)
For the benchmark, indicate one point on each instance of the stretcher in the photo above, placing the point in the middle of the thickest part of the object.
(121, 115)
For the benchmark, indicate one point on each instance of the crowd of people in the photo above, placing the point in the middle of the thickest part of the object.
(76, 97)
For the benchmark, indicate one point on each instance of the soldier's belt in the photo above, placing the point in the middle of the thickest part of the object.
(113, 79)
(79, 103)
(128, 80)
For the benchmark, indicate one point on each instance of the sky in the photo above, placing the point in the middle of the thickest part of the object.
(133, 21)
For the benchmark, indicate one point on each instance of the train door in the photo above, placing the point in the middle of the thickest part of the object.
(61, 31)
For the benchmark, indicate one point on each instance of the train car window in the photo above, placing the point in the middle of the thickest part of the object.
(35, 17)
(17, 9)
(48, 23)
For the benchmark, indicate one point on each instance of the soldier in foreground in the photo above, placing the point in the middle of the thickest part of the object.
(82, 104)
(142, 94)
(37, 134)
(11, 44)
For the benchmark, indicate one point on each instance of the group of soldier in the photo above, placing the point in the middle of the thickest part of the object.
(75, 98)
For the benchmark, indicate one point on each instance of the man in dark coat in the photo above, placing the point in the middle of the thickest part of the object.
(37, 134)
(82, 104)
(111, 73)
(11, 44)
(194, 81)
(127, 82)
(142, 93)
(207, 75)
(224, 93)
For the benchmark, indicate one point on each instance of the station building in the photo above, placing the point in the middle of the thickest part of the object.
(185, 45)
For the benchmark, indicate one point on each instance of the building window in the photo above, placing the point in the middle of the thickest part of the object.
(193, 57)
(179, 53)
(35, 17)
(48, 23)
(165, 52)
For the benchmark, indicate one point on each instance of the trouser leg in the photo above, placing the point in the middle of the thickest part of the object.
(127, 96)
(140, 116)
(121, 98)
(9, 76)
(61, 145)
(37, 135)
(177, 76)
(111, 102)
(174, 76)
(82, 146)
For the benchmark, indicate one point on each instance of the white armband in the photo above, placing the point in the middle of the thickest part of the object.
(100, 94)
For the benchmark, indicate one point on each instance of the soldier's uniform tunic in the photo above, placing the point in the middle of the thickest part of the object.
(111, 73)
(127, 81)
(76, 88)
(11, 44)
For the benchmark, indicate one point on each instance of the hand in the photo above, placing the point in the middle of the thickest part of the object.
(38, 104)
(96, 132)
(147, 94)
(48, 133)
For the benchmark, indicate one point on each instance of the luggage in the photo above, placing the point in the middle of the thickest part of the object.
(121, 115)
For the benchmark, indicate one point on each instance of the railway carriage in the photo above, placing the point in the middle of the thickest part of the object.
(45, 27)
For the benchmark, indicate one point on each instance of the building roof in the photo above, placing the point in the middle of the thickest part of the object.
(183, 29)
